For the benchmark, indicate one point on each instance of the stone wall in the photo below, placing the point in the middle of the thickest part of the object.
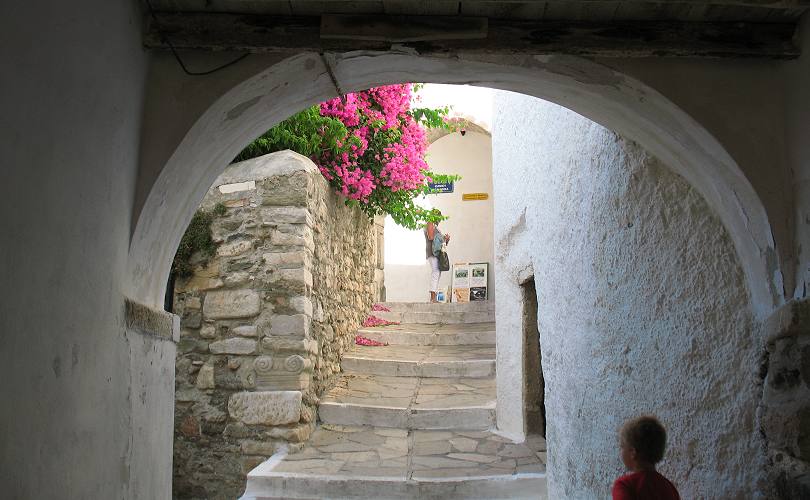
(265, 322)
(785, 409)
(643, 306)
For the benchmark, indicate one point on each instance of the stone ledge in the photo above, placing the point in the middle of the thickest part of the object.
(151, 321)
(280, 163)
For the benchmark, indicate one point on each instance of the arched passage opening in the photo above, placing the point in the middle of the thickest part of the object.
(597, 92)
(466, 152)
(613, 100)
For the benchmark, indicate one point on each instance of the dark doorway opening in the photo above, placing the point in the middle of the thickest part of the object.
(534, 387)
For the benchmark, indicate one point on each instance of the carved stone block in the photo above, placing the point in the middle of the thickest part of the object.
(283, 374)
(266, 407)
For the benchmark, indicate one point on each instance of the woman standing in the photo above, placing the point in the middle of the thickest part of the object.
(433, 245)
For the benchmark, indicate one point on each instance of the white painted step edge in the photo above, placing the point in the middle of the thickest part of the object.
(263, 484)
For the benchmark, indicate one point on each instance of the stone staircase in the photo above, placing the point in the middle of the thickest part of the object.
(424, 313)
(412, 419)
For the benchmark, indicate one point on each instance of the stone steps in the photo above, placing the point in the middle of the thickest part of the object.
(430, 334)
(438, 317)
(476, 306)
(410, 402)
(433, 314)
(474, 361)
(411, 419)
(369, 462)
(468, 418)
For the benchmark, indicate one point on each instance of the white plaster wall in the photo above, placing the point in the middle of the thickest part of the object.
(86, 406)
(643, 306)
(407, 275)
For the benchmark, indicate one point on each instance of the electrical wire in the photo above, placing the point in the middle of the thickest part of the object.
(168, 42)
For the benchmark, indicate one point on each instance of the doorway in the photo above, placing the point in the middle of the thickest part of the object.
(534, 388)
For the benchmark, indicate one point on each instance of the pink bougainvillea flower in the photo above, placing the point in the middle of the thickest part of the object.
(380, 307)
(384, 148)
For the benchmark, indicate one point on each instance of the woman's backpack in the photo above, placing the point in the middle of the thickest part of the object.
(440, 251)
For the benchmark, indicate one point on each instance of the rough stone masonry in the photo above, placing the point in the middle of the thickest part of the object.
(266, 320)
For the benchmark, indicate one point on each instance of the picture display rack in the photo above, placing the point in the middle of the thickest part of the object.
(469, 281)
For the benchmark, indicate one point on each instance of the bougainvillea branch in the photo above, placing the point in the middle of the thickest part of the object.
(370, 146)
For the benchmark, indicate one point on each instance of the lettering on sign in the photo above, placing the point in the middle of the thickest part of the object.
(474, 196)
(440, 187)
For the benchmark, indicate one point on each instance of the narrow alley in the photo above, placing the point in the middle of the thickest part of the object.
(412, 418)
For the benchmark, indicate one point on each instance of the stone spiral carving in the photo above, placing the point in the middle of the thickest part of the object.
(263, 364)
(294, 364)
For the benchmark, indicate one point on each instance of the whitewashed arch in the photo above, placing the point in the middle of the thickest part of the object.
(602, 94)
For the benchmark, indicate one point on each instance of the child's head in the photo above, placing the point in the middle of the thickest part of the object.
(643, 441)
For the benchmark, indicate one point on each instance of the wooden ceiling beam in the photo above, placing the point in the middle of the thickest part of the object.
(766, 4)
(435, 35)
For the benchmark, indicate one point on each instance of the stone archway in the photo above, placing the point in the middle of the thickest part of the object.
(607, 97)
(597, 92)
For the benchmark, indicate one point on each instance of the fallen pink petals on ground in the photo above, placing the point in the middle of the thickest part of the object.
(375, 321)
(360, 340)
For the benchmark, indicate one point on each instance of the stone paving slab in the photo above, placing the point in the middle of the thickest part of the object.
(475, 306)
(410, 402)
(439, 317)
(416, 334)
(422, 361)
(370, 462)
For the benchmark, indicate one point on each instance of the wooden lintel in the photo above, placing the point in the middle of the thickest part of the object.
(264, 33)
(402, 29)
(765, 4)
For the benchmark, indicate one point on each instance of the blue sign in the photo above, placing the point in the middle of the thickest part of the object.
(441, 187)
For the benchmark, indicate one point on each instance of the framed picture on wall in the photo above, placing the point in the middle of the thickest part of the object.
(461, 282)
(470, 281)
(478, 280)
